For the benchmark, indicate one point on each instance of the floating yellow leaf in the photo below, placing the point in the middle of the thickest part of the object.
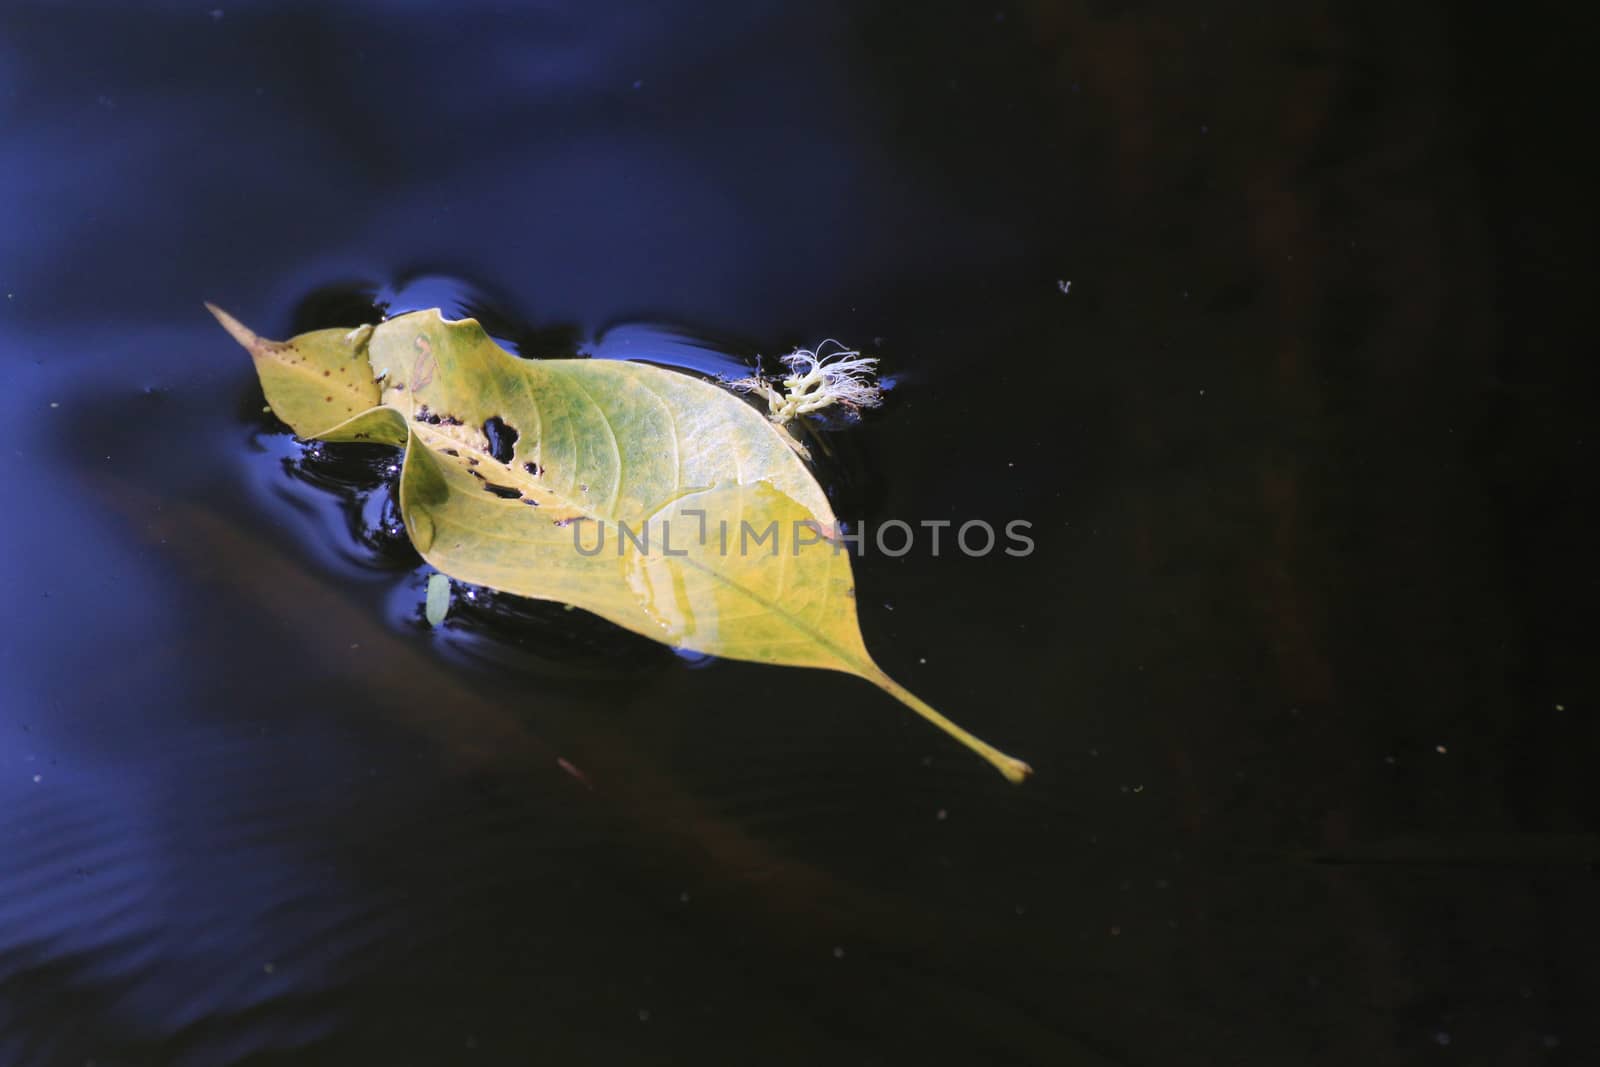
(651, 498)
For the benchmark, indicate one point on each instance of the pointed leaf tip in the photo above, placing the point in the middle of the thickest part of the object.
(238, 330)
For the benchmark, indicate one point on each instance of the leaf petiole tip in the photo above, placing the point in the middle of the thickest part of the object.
(1015, 771)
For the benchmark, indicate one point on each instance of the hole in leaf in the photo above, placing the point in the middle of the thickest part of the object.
(502, 438)
(503, 492)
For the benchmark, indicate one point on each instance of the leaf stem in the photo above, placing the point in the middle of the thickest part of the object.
(1015, 770)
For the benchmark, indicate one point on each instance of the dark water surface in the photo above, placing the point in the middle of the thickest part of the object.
(1302, 657)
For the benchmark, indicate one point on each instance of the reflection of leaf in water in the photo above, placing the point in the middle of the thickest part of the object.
(438, 603)
(515, 469)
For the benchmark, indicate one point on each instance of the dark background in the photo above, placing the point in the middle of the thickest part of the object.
(1303, 657)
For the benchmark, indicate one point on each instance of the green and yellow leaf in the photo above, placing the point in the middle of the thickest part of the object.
(611, 486)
